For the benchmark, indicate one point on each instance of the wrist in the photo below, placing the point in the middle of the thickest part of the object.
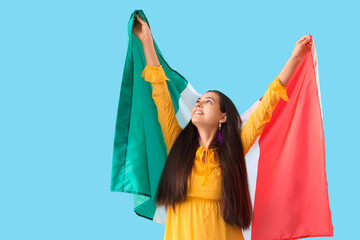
(294, 60)
(147, 40)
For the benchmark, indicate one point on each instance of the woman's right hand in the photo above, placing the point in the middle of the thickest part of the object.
(141, 29)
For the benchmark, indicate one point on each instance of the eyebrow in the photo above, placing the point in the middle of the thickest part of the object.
(207, 97)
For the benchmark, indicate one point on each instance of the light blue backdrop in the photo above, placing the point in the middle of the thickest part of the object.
(61, 64)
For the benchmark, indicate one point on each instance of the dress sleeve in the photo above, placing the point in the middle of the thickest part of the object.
(166, 113)
(262, 114)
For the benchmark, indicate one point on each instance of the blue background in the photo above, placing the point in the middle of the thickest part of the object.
(61, 65)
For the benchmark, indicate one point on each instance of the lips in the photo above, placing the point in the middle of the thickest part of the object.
(198, 112)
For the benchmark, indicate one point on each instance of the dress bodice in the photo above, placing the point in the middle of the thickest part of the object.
(205, 179)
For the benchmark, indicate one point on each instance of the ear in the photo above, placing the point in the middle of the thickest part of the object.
(223, 118)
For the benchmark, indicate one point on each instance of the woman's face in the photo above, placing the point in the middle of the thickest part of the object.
(207, 111)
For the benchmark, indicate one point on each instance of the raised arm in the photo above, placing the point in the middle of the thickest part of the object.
(262, 114)
(276, 90)
(154, 73)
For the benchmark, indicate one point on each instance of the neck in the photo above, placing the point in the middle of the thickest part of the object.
(207, 137)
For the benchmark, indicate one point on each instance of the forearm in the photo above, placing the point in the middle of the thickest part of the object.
(287, 71)
(262, 114)
(164, 104)
(166, 113)
(150, 53)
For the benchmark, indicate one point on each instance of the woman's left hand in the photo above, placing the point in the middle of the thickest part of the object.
(302, 48)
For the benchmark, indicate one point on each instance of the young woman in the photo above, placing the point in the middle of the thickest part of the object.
(204, 182)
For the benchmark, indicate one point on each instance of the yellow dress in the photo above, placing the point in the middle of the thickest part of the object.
(199, 217)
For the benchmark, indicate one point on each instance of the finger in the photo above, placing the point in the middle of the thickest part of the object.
(139, 18)
(302, 39)
(306, 40)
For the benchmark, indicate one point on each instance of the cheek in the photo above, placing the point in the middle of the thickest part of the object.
(212, 118)
(212, 114)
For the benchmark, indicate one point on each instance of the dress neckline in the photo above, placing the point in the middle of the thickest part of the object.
(209, 153)
(205, 148)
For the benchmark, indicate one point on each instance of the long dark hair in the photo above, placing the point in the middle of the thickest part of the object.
(236, 205)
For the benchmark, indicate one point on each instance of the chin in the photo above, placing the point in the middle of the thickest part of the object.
(194, 121)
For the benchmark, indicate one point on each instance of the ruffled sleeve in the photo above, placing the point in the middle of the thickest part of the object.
(279, 89)
(154, 74)
(262, 114)
(166, 113)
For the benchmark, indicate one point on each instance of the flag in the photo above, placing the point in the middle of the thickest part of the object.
(286, 165)
(139, 151)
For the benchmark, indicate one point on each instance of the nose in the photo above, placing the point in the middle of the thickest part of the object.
(198, 104)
